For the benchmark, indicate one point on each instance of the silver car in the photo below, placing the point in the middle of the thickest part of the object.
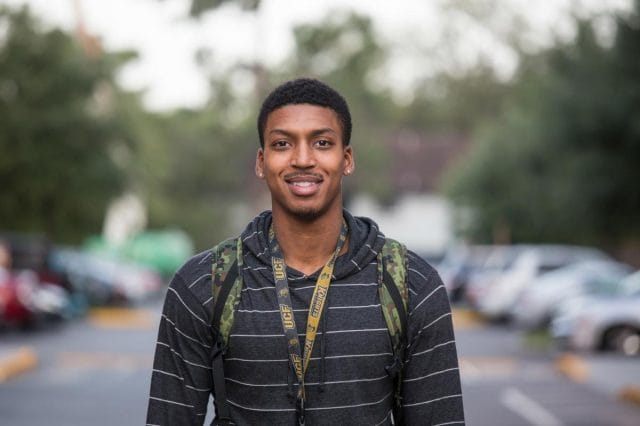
(538, 301)
(602, 323)
(531, 262)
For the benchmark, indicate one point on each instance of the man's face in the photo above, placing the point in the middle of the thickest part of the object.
(303, 160)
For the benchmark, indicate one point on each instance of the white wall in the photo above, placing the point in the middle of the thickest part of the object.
(421, 221)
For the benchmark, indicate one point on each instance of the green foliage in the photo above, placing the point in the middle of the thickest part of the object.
(198, 7)
(560, 163)
(196, 170)
(457, 102)
(58, 165)
(343, 51)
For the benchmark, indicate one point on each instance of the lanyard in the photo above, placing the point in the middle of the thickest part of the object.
(299, 360)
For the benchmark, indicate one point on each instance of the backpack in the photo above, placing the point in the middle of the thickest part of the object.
(227, 287)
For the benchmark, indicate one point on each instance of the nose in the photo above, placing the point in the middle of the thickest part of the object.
(303, 156)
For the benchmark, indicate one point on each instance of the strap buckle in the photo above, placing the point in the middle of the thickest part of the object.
(395, 367)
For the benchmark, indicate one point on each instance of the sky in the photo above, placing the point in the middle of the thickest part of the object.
(167, 39)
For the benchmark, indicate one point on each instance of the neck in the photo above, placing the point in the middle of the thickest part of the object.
(307, 245)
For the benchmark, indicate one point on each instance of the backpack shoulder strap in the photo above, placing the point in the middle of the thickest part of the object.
(394, 300)
(393, 288)
(227, 284)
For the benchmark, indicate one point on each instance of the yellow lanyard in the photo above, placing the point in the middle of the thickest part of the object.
(300, 361)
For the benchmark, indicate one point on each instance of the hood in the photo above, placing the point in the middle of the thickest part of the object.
(365, 240)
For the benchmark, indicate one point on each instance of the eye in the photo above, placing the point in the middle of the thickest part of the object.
(279, 144)
(324, 143)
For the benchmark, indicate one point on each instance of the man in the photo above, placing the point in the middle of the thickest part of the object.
(306, 254)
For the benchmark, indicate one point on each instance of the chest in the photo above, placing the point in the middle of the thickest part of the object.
(352, 340)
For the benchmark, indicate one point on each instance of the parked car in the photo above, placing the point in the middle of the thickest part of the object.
(531, 262)
(539, 300)
(25, 302)
(29, 293)
(14, 294)
(603, 322)
(459, 264)
(499, 261)
(106, 280)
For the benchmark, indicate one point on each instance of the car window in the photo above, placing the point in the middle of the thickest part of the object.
(602, 286)
(631, 284)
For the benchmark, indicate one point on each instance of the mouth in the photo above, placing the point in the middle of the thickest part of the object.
(303, 184)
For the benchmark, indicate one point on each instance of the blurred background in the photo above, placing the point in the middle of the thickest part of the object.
(500, 139)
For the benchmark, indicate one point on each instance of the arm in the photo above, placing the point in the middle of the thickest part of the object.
(431, 380)
(181, 382)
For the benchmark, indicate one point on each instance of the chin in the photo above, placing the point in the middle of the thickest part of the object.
(308, 210)
(307, 214)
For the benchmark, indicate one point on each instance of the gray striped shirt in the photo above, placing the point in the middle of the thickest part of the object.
(346, 382)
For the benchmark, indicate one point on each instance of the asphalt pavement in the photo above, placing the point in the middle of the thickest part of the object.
(97, 372)
(508, 381)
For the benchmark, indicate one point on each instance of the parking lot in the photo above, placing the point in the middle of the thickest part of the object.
(509, 380)
(96, 371)
(94, 367)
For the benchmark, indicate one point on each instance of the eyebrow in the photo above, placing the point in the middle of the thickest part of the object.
(316, 132)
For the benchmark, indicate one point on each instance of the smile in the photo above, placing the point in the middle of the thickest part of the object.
(303, 185)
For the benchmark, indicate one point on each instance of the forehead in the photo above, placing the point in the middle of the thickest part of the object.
(301, 117)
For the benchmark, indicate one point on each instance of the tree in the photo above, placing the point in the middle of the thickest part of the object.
(198, 7)
(558, 163)
(60, 145)
(343, 51)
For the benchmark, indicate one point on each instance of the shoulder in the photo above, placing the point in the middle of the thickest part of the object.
(193, 278)
(425, 285)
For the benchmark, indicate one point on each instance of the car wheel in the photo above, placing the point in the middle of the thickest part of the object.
(623, 339)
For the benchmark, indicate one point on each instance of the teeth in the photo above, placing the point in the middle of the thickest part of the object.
(303, 184)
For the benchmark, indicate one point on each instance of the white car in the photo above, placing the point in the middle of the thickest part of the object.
(531, 262)
(460, 264)
(602, 323)
(539, 300)
(499, 261)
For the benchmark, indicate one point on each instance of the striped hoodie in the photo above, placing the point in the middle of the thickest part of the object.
(346, 381)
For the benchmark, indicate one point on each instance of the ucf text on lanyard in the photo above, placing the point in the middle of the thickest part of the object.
(300, 360)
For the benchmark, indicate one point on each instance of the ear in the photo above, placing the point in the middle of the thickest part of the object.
(349, 161)
(260, 164)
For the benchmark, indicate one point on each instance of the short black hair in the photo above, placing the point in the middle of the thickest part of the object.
(306, 91)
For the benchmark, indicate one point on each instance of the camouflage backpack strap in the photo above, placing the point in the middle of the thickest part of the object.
(394, 300)
(227, 285)
(392, 287)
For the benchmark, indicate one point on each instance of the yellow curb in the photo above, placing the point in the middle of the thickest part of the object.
(630, 394)
(464, 319)
(22, 360)
(573, 367)
(122, 318)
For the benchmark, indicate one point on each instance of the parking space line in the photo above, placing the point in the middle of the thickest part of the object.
(484, 367)
(17, 362)
(103, 360)
(527, 408)
(572, 366)
(629, 394)
(464, 319)
(122, 318)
